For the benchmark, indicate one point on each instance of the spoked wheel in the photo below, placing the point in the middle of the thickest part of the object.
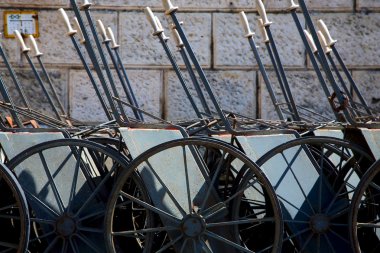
(14, 214)
(365, 213)
(188, 202)
(67, 184)
(315, 179)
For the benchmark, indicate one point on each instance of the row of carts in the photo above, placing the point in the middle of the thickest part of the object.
(222, 182)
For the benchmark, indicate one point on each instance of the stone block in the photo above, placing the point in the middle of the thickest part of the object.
(306, 91)
(56, 45)
(85, 106)
(357, 36)
(39, 3)
(234, 90)
(368, 4)
(369, 85)
(233, 50)
(33, 90)
(140, 47)
(328, 5)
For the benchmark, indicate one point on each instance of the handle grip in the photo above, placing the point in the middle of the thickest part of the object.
(152, 20)
(177, 38)
(263, 31)
(326, 33)
(112, 37)
(169, 7)
(310, 41)
(82, 40)
(103, 31)
(86, 4)
(322, 40)
(244, 22)
(158, 22)
(263, 14)
(24, 48)
(70, 30)
(293, 6)
(35, 46)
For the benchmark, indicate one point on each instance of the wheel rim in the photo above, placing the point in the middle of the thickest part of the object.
(67, 183)
(203, 220)
(14, 214)
(365, 212)
(324, 173)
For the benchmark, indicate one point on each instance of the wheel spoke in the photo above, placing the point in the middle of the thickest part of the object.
(146, 230)
(189, 202)
(239, 222)
(12, 206)
(151, 208)
(97, 190)
(89, 243)
(51, 245)
(171, 243)
(213, 180)
(52, 183)
(167, 191)
(75, 181)
(9, 245)
(34, 198)
(226, 241)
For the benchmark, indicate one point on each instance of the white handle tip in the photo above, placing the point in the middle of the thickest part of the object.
(70, 30)
(169, 7)
(37, 52)
(112, 37)
(263, 14)
(326, 33)
(323, 42)
(245, 23)
(293, 6)
(86, 4)
(19, 37)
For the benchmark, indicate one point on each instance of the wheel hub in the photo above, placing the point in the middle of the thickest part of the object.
(193, 225)
(320, 223)
(66, 226)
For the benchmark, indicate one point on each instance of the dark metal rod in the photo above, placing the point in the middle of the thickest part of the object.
(51, 86)
(91, 77)
(195, 81)
(116, 50)
(266, 78)
(274, 64)
(351, 80)
(14, 78)
(102, 57)
(200, 72)
(312, 57)
(340, 78)
(95, 63)
(282, 73)
(41, 83)
(324, 62)
(179, 75)
(122, 80)
(4, 92)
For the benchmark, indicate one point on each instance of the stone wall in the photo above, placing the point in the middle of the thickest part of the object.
(215, 32)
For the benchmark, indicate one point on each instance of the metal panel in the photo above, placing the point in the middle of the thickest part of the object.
(329, 133)
(372, 136)
(140, 140)
(14, 143)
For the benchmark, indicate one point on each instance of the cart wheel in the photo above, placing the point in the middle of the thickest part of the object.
(14, 214)
(181, 212)
(365, 212)
(315, 179)
(67, 184)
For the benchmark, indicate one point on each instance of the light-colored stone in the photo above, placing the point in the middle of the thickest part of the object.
(33, 90)
(368, 4)
(233, 50)
(306, 91)
(357, 36)
(85, 106)
(29, 3)
(234, 90)
(325, 5)
(139, 47)
(11, 46)
(56, 45)
(369, 85)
